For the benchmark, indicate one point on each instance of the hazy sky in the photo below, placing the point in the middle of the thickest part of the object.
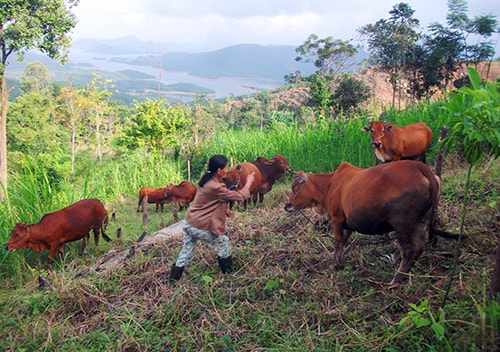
(202, 25)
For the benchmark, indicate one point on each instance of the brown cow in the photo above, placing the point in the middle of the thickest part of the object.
(400, 197)
(393, 143)
(155, 196)
(236, 179)
(270, 170)
(66, 225)
(181, 194)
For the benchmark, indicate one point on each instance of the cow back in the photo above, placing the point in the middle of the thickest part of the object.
(183, 193)
(382, 198)
(155, 195)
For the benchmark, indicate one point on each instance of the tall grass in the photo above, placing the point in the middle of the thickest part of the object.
(321, 147)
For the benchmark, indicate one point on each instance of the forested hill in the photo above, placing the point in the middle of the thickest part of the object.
(243, 60)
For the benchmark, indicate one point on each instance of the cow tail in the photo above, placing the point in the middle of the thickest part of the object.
(436, 194)
(103, 228)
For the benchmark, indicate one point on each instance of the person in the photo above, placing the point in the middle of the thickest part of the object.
(205, 219)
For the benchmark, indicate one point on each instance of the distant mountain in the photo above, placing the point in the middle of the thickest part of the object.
(124, 46)
(137, 66)
(243, 60)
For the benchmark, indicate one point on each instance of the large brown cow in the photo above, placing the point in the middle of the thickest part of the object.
(270, 170)
(400, 197)
(66, 225)
(236, 179)
(393, 143)
(181, 194)
(155, 196)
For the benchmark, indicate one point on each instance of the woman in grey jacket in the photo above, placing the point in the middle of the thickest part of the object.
(205, 219)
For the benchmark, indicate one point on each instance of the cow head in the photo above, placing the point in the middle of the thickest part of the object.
(19, 237)
(300, 197)
(168, 189)
(280, 159)
(232, 179)
(377, 130)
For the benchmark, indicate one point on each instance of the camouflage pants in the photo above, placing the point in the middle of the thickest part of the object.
(219, 243)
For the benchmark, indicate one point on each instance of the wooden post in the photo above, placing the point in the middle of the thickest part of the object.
(145, 211)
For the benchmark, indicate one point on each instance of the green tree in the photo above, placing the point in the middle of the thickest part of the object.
(479, 28)
(155, 126)
(329, 56)
(349, 93)
(33, 130)
(24, 25)
(438, 57)
(321, 95)
(434, 62)
(100, 116)
(388, 42)
(35, 78)
(73, 107)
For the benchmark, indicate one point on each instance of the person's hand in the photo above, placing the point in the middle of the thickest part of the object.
(250, 179)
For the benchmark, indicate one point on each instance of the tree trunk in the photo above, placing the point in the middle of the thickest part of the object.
(115, 257)
(3, 135)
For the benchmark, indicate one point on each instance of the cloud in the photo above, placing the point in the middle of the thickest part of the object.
(212, 24)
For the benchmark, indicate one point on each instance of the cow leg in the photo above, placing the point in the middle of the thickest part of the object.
(54, 249)
(84, 242)
(254, 198)
(412, 242)
(139, 204)
(174, 211)
(261, 197)
(341, 236)
(96, 234)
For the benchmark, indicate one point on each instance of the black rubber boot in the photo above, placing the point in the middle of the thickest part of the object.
(226, 264)
(176, 273)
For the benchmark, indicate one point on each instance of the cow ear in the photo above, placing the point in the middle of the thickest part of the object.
(389, 127)
(365, 128)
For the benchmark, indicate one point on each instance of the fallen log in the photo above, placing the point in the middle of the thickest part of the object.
(116, 256)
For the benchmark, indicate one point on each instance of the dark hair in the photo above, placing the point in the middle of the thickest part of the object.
(215, 163)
